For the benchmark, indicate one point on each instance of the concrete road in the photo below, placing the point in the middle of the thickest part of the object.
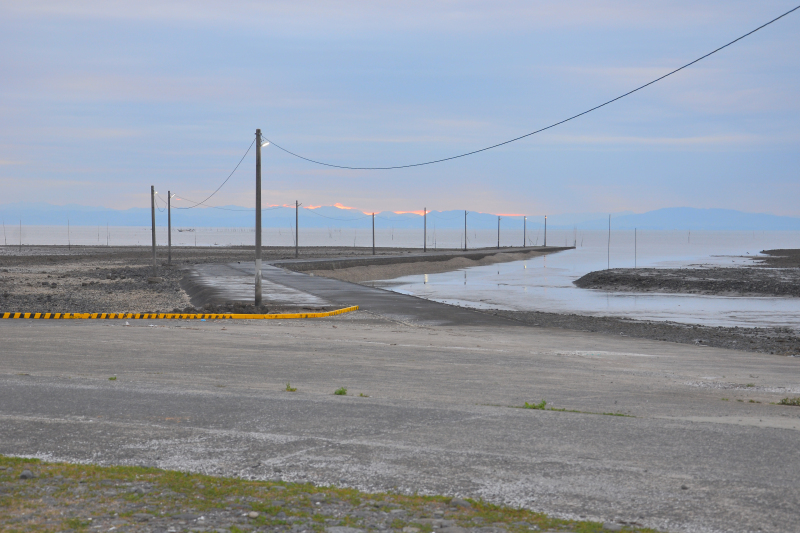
(439, 416)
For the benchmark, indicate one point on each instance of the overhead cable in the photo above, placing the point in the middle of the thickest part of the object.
(547, 127)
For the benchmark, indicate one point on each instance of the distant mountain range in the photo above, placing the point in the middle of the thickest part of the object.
(672, 218)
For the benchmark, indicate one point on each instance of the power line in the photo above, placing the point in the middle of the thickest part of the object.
(226, 179)
(547, 127)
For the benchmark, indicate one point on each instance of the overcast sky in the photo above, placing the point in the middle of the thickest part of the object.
(100, 99)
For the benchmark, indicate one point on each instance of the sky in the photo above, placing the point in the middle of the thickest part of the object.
(99, 99)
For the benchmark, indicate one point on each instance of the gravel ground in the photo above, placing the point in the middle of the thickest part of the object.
(781, 341)
(37, 496)
(99, 279)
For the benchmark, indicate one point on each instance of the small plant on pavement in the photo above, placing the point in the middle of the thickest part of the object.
(539, 405)
(341, 391)
(790, 401)
(289, 387)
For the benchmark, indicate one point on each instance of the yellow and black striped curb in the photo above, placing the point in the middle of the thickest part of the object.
(175, 316)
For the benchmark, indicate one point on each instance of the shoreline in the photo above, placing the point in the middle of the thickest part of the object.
(775, 274)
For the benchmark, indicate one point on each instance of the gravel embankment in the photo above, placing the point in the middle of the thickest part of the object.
(37, 496)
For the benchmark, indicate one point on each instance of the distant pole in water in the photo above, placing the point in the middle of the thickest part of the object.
(153, 220)
(545, 230)
(296, 228)
(634, 247)
(169, 227)
(524, 230)
(465, 231)
(373, 233)
(425, 229)
(608, 267)
(498, 232)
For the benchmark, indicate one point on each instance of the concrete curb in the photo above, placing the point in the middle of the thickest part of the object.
(173, 316)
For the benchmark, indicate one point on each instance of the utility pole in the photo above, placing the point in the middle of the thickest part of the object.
(153, 221)
(373, 233)
(545, 230)
(258, 219)
(425, 229)
(608, 266)
(524, 231)
(296, 228)
(498, 233)
(465, 231)
(169, 227)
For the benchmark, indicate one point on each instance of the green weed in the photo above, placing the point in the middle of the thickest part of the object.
(289, 388)
(112, 378)
(539, 405)
(341, 391)
(790, 401)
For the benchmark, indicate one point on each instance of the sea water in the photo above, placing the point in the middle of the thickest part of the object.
(546, 283)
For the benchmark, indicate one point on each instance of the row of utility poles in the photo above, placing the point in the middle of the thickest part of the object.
(258, 295)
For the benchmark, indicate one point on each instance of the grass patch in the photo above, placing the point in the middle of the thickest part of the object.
(289, 387)
(341, 391)
(112, 378)
(724, 399)
(539, 405)
(790, 401)
(91, 497)
(362, 395)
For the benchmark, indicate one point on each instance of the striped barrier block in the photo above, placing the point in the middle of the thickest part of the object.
(172, 316)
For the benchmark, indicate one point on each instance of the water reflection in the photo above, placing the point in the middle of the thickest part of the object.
(538, 286)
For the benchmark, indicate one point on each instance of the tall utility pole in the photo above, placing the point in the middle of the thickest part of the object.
(425, 229)
(296, 228)
(153, 220)
(608, 266)
(465, 231)
(545, 230)
(498, 233)
(373, 233)
(524, 231)
(258, 219)
(169, 227)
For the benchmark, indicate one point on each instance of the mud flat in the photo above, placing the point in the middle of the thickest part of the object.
(780, 341)
(775, 275)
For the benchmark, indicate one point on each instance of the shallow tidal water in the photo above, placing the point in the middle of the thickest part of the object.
(545, 283)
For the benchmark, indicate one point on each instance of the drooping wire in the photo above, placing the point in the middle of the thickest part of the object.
(573, 117)
(226, 179)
